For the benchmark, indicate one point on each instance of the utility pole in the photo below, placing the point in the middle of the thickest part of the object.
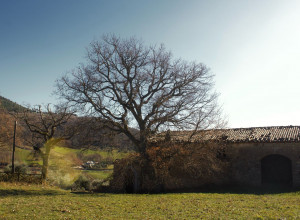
(14, 148)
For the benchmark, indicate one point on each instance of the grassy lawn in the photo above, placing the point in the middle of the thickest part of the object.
(98, 174)
(115, 154)
(36, 202)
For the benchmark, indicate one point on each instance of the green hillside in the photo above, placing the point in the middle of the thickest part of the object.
(10, 105)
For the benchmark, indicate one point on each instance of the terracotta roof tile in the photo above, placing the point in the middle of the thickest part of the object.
(256, 134)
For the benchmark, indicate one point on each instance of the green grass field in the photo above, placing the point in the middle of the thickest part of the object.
(37, 202)
(104, 153)
(24, 155)
(97, 174)
(62, 160)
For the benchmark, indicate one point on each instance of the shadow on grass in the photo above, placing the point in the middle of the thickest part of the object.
(98, 194)
(241, 190)
(209, 189)
(20, 192)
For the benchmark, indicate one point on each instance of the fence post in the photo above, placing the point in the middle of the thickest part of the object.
(14, 148)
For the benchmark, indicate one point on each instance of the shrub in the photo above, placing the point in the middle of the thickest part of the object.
(20, 174)
(189, 165)
(101, 185)
(19, 169)
(173, 166)
(82, 183)
(96, 185)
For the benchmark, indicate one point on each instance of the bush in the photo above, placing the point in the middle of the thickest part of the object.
(82, 183)
(101, 185)
(19, 169)
(25, 178)
(96, 185)
(173, 166)
(20, 175)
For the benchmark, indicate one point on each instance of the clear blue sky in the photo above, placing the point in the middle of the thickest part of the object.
(252, 46)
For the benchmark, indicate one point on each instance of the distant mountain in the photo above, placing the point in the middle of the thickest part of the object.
(10, 105)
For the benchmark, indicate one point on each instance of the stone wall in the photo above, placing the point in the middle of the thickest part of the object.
(246, 161)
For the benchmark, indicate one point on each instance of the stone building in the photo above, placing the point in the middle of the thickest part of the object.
(260, 156)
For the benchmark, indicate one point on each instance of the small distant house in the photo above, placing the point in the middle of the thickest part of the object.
(260, 156)
(88, 164)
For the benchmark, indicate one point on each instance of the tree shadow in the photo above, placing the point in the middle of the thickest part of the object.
(20, 192)
(241, 190)
(98, 194)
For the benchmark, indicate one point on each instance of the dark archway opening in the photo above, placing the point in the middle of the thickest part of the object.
(129, 182)
(276, 171)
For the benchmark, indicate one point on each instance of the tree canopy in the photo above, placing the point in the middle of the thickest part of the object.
(129, 84)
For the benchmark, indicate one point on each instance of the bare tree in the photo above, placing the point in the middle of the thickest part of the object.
(129, 84)
(44, 124)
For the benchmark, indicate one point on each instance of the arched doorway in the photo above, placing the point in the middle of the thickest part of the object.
(276, 170)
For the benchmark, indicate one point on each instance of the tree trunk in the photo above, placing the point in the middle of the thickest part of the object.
(45, 162)
(143, 147)
(48, 145)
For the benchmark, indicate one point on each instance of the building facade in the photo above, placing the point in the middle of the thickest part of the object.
(261, 156)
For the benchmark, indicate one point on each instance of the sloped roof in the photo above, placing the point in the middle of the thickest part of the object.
(237, 135)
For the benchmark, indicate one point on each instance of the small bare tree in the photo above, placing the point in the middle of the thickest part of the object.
(129, 84)
(44, 124)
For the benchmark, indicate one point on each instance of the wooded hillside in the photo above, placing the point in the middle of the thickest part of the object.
(92, 134)
(10, 106)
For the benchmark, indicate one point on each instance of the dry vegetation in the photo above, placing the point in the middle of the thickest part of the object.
(173, 166)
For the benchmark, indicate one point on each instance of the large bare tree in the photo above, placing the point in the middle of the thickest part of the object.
(129, 84)
(47, 128)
